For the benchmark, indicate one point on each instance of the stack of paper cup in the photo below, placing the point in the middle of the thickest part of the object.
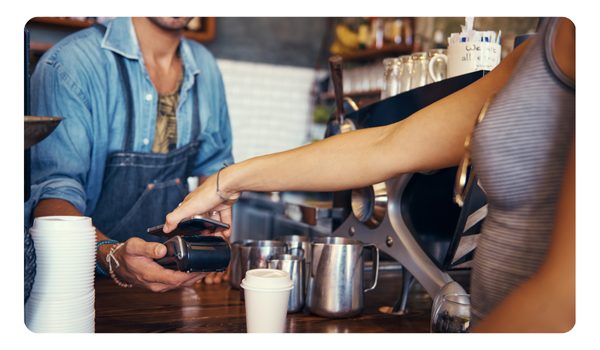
(62, 296)
(267, 293)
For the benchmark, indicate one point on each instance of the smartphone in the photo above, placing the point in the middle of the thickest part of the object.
(191, 226)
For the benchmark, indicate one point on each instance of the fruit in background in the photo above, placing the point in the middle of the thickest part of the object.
(346, 36)
(346, 40)
(337, 48)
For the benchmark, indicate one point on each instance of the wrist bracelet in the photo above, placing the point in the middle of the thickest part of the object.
(110, 270)
(219, 191)
(106, 241)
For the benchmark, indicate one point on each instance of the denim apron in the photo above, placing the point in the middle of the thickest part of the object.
(140, 189)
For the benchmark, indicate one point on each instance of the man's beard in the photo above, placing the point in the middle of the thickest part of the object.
(171, 23)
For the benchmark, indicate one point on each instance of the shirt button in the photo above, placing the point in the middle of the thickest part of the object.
(146, 141)
(149, 97)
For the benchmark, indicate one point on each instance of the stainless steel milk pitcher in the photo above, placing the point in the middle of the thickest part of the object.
(294, 265)
(235, 265)
(335, 283)
(256, 255)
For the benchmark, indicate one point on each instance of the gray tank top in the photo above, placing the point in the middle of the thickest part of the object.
(520, 150)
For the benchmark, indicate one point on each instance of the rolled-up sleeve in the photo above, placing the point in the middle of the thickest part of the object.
(61, 162)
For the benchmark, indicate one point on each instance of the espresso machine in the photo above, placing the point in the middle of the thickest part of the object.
(411, 218)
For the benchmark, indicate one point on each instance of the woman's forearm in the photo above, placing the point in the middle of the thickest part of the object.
(336, 163)
(432, 138)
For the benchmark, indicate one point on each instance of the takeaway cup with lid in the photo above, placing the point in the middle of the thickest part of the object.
(267, 293)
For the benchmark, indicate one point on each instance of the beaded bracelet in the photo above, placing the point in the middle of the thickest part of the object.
(219, 191)
(106, 241)
(110, 270)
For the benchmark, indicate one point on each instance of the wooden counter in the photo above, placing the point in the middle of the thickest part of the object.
(218, 308)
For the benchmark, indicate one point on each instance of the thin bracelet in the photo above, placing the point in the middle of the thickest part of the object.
(110, 270)
(106, 241)
(219, 191)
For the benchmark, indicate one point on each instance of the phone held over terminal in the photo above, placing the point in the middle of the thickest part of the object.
(188, 251)
(191, 226)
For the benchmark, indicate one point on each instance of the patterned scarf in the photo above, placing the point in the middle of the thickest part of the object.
(165, 137)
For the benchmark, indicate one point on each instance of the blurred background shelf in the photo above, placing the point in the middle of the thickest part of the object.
(372, 54)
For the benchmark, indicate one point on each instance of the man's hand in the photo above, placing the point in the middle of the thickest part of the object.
(137, 266)
(217, 277)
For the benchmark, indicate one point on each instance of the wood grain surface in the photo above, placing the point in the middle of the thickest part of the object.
(218, 308)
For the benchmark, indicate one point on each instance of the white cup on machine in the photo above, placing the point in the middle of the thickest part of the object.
(267, 294)
(464, 58)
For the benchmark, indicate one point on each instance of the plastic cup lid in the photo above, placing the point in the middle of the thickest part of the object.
(62, 223)
(267, 278)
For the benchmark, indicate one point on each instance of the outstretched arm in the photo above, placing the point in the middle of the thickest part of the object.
(432, 138)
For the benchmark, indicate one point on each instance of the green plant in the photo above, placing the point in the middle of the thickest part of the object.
(322, 113)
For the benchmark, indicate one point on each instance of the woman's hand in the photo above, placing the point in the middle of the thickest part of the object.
(204, 199)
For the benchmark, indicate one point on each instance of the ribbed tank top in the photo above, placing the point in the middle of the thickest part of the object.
(520, 150)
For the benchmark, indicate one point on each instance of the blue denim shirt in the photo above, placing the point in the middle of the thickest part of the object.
(78, 79)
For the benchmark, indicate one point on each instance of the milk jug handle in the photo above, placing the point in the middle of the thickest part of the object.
(289, 249)
(432, 62)
(375, 273)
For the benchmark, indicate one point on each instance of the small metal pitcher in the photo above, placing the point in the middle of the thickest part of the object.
(256, 255)
(299, 246)
(294, 265)
(235, 266)
(335, 283)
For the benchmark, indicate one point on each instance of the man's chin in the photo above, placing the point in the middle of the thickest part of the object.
(171, 23)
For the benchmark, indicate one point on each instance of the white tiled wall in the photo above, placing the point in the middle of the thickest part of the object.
(269, 107)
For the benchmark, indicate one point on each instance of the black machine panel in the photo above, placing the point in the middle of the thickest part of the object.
(401, 106)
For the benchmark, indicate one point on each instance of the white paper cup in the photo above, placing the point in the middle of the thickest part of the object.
(267, 294)
(62, 289)
(47, 313)
(62, 223)
(85, 324)
(62, 297)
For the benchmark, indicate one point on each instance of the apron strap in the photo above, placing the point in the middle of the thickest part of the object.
(195, 113)
(130, 116)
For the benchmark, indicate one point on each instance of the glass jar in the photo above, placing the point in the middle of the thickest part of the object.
(406, 73)
(390, 77)
(420, 70)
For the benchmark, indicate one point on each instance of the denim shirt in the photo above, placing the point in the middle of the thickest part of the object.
(78, 79)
